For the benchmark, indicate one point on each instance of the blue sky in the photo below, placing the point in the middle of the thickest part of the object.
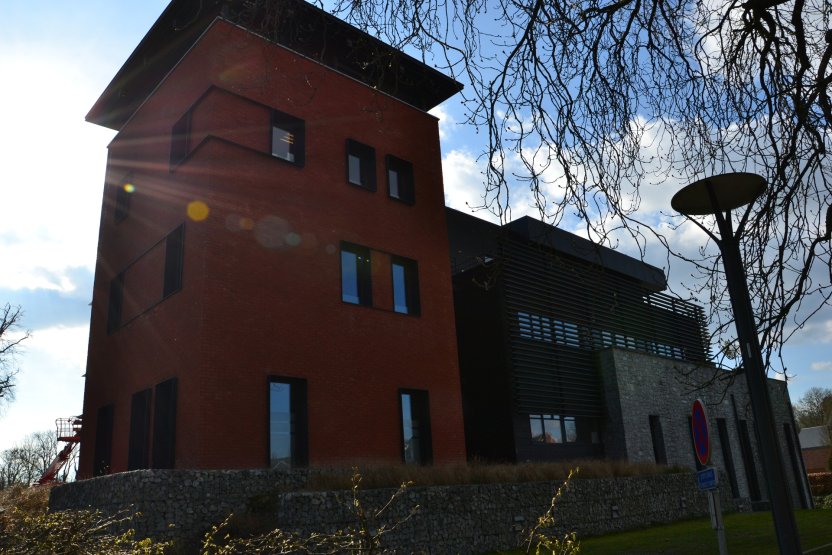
(56, 57)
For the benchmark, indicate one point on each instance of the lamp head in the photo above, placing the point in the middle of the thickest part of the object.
(730, 190)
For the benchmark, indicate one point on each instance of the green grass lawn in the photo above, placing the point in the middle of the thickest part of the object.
(751, 533)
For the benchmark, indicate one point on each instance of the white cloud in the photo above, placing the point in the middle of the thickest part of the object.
(447, 123)
(821, 366)
(50, 384)
(51, 170)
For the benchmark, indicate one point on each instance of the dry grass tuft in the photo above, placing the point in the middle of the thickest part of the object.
(380, 476)
(28, 500)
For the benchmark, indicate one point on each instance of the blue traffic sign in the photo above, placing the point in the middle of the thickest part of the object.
(707, 479)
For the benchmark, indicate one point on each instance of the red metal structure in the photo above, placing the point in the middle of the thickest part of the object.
(69, 431)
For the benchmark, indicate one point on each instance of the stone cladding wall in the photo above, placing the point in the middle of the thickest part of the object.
(465, 519)
(637, 385)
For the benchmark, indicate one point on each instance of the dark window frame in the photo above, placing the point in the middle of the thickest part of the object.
(727, 455)
(363, 273)
(657, 437)
(164, 424)
(366, 156)
(298, 420)
(293, 126)
(174, 261)
(410, 270)
(103, 450)
(180, 142)
(404, 179)
(138, 450)
(420, 411)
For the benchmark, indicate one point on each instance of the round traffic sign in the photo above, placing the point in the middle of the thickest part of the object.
(701, 433)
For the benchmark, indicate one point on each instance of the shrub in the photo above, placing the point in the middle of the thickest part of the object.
(824, 502)
(821, 483)
(542, 536)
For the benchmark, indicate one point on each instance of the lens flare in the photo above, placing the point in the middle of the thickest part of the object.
(129, 187)
(198, 210)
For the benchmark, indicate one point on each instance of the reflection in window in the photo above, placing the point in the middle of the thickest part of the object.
(405, 286)
(280, 425)
(400, 179)
(545, 428)
(416, 448)
(361, 165)
(554, 429)
(356, 275)
(288, 138)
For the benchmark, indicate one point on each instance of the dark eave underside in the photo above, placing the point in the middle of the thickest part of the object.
(294, 24)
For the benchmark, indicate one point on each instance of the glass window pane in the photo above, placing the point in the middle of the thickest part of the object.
(349, 277)
(536, 425)
(283, 144)
(552, 431)
(393, 179)
(354, 169)
(410, 432)
(571, 429)
(399, 289)
(280, 424)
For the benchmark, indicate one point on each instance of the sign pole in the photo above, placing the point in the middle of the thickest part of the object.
(707, 478)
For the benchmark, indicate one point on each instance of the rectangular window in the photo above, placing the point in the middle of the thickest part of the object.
(405, 285)
(356, 275)
(288, 136)
(727, 458)
(124, 192)
(361, 165)
(103, 441)
(287, 423)
(115, 302)
(400, 179)
(180, 143)
(748, 461)
(416, 437)
(138, 453)
(657, 435)
(174, 250)
(164, 425)
(546, 428)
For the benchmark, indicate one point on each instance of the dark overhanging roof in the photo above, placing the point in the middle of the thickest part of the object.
(482, 234)
(294, 24)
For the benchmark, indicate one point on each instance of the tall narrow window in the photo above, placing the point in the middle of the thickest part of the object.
(748, 461)
(356, 275)
(174, 250)
(103, 441)
(361, 165)
(124, 193)
(287, 423)
(400, 179)
(417, 445)
(288, 136)
(115, 303)
(659, 452)
(727, 457)
(164, 425)
(138, 454)
(796, 470)
(180, 143)
(405, 285)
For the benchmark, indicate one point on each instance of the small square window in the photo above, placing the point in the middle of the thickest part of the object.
(400, 179)
(356, 275)
(288, 134)
(361, 165)
(405, 285)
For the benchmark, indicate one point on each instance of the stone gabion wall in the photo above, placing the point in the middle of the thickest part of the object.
(465, 519)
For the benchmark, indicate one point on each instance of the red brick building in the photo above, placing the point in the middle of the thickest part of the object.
(273, 283)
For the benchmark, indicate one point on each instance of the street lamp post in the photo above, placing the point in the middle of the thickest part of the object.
(717, 196)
